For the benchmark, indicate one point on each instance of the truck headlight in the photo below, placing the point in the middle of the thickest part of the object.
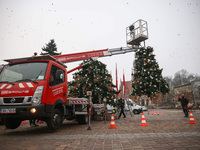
(37, 96)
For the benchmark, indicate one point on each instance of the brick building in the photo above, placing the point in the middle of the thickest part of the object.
(185, 89)
(129, 88)
(190, 90)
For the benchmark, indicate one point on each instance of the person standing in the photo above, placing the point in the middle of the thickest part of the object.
(184, 103)
(121, 104)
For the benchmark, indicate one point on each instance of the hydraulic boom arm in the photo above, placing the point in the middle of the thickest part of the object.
(92, 54)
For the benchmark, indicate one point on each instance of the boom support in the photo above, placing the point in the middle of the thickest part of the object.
(92, 54)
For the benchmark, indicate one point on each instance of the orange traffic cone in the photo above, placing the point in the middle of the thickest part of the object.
(24, 122)
(154, 112)
(191, 119)
(158, 112)
(143, 121)
(112, 123)
(162, 114)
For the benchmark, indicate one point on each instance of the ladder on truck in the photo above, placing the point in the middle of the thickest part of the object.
(93, 54)
(61, 59)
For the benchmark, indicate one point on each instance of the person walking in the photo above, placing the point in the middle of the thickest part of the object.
(184, 103)
(121, 104)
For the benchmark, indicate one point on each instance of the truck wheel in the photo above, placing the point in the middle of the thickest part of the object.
(55, 121)
(12, 123)
(82, 119)
(135, 111)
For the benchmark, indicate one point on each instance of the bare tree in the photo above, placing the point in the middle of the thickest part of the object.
(183, 77)
(180, 78)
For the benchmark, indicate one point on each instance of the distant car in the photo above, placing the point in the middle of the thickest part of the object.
(192, 107)
(178, 106)
(130, 105)
(144, 108)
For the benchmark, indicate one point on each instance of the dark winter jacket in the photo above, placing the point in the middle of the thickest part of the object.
(121, 102)
(183, 100)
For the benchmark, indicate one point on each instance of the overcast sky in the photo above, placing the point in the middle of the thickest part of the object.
(83, 25)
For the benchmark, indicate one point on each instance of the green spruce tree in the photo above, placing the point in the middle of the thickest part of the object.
(50, 48)
(93, 77)
(147, 76)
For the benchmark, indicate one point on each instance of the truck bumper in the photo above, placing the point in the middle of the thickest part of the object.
(23, 112)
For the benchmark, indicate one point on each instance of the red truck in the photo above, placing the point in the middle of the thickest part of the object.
(36, 87)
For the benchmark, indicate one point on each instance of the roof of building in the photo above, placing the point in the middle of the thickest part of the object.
(182, 85)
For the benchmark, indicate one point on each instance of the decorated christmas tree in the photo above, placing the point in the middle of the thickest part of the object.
(147, 76)
(93, 77)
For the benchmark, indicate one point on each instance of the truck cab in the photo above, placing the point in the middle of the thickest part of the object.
(33, 88)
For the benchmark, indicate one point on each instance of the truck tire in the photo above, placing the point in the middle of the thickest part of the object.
(82, 119)
(135, 111)
(12, 123)
(55, 121)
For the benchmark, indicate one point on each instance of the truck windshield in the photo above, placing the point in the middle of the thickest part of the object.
(33, 71)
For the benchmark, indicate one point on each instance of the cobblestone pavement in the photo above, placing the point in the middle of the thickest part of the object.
(170, 131)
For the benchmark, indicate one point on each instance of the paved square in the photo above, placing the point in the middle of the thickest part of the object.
(170, 131)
